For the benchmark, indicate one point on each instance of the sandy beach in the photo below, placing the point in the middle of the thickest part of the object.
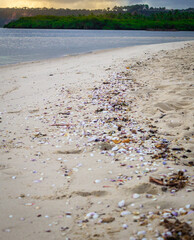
(99, 146)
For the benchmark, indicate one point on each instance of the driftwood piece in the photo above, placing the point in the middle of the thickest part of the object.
(157, 181)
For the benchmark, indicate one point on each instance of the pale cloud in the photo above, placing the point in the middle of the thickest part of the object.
(164, 3)
(93, 4)
(89, 4)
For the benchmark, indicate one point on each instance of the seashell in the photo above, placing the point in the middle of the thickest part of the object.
(92, 215)
(136, 195)
(121, 203)
(125, 213)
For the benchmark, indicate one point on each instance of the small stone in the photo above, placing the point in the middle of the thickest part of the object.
(125, 226)
(174, 213)
(173, 190)
(149, 196)
(92, 215)
(141, 233)
(189, 190)
(168, 234)
(136, 195)
(108, 220)
(97, 181)
(125, 213)
(166, 215)
(136, 218)
(22, 195)
(121, 204)
(182, 211)
(136, 213)
(164, 189)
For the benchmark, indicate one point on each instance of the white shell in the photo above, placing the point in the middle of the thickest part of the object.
(136, 195)
(121, 203)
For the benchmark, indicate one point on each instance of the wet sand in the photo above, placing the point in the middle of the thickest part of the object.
(98, 146)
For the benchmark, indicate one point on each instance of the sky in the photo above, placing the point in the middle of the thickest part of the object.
(95, 4)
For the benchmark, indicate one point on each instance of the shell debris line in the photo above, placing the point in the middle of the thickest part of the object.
(116, 174)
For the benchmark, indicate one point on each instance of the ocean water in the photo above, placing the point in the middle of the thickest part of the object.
(23, 45)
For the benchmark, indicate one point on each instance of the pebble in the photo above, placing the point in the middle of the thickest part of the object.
(97, 181)
(136, 218)
(107, 220)
(125, 213)
(166, 215)
(115, 148)
(167, 234)
(136, 195)
(182, 211)
(141, 233)
(121, 204)
(173, 191)
(174, 213)
(92, 215)
(125, 226)
(189, 190)
(149, 196)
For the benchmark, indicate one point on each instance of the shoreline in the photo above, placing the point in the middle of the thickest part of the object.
(84, 137)
(86, 53)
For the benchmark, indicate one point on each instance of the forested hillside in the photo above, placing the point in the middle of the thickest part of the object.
(171, 20)
(11, 14)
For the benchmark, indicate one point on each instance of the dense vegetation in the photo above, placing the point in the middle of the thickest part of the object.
(10, 14)
(175, 20)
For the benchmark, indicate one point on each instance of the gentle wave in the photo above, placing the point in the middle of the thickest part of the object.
(23, 45)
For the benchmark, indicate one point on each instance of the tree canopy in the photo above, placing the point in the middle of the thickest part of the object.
(171, 20)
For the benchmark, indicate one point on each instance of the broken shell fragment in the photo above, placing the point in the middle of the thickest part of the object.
(121, 204)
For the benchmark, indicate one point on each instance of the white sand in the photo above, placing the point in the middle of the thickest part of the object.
(53, 176)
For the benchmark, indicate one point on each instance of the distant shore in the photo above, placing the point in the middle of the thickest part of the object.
(163, 21)
(98, 145)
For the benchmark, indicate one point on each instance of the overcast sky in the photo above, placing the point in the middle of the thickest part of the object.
(92, 4)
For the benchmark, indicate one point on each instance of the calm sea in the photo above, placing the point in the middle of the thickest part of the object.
(23, 45)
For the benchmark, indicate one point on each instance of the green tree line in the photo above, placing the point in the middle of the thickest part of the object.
(182, 21)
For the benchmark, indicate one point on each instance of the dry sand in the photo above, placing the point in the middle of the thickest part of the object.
(82, 135)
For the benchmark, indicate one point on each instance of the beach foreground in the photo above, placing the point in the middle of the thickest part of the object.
(99, 146)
